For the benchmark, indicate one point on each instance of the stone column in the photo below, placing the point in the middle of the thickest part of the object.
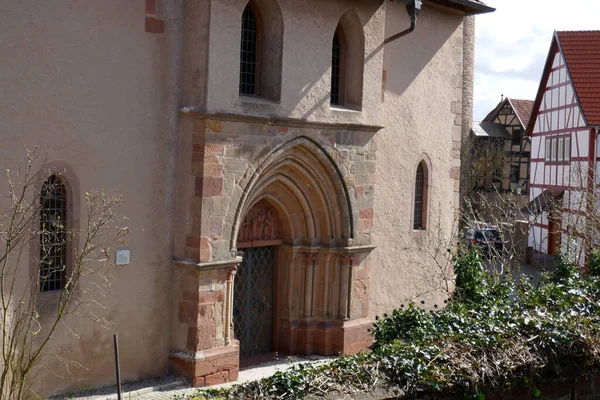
(309, 278)
(462, 149)
(353, 304)
(229, 307)
(345, 291)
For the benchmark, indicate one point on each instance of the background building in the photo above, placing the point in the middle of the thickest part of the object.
(564, 145)
(503, 132)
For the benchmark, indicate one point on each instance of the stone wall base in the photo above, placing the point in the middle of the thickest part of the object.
(356, 335)
(209, 367)
(326, 338)
(222, 364)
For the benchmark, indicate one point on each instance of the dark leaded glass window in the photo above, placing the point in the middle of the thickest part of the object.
(53, 235)
(515, 172)
(248, 53)
(517, 136)
(336, 58)
(419, 223)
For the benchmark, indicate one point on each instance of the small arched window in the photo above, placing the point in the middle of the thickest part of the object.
(347, 62)
(261, 49)
(420, 206)
(53, 235)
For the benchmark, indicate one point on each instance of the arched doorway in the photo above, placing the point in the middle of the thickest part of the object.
(254, 289)
(297, 202)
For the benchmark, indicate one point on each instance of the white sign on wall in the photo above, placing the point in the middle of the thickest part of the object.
(122, 257)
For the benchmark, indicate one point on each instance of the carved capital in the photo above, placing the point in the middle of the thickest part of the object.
(347, 260)
(309, 258)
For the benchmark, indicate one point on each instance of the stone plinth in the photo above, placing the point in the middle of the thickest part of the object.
(203, 349)
(209, 367)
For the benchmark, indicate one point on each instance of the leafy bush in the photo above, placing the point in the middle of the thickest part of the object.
(495, 331)
(493, 334)
(349, 374)
(594, 262)
(565, 269)
(469, 276)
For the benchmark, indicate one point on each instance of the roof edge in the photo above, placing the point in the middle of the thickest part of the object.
(543, 80)
(469, 7)
(492, 115)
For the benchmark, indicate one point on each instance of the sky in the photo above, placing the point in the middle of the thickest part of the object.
(512, 44)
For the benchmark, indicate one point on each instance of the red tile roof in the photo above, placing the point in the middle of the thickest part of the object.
(523, 108)
(581, 50)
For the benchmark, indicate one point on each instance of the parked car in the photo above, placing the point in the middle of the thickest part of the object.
(487, 239)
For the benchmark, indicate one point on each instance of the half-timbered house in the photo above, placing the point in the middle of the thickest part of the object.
(506, 124)
(564, 142)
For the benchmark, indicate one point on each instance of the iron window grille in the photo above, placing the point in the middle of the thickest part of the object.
(336, 66)
(249, 53)
(53, 235)
(253, 301)
(419, 198)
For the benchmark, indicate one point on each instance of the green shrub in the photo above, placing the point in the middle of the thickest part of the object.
(493, 334)
(594, 262)
(564, 268)
(470, 282)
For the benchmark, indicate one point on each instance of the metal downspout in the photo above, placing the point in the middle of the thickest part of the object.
(594, 157)
(413, 9)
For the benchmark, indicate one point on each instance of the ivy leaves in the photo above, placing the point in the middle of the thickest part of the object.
(494, 333)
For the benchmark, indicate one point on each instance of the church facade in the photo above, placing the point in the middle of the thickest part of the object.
(286, 171)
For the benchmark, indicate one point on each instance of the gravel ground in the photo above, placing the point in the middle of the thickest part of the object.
(168, 387)
(168, 382)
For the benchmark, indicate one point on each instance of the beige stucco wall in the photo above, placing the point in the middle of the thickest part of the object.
(84, 82)
(306, 63)
(421, 115)
(90, 88)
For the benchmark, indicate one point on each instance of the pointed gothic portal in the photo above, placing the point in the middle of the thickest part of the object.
(295, 215)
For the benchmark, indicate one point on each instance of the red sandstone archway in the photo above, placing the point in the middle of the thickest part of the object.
(312, 302)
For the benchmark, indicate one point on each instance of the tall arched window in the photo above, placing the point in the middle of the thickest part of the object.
(53, 235)
(261, 49)
(420, 206)
(337, 69)
(249, 53)
(347, 62)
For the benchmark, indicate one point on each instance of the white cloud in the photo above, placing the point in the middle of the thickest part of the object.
(512, 44)
(515, 63)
